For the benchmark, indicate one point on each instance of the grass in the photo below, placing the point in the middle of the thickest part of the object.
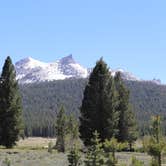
(125, 157)
(33, 151)
(33, 157)
(35, 143)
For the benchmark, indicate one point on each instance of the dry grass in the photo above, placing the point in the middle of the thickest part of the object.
(33, 152)
(19, 157)
(35, 142)
(125, 157)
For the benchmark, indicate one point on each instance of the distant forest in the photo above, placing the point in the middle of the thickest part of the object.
(41, 102)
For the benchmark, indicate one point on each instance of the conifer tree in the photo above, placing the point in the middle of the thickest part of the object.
(127, 130)
(156, 145)
(110, 113)
(95, 154)
(11, 126)
(73, 130)
(98, 105)
(74, 157)
(132, 129)
(61, 130)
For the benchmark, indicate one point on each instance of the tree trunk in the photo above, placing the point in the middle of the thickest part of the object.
(159, 159)
(130, 146)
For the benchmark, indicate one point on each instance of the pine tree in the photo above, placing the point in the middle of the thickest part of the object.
(61, 130)
(127, 123)
(74, 157)
(73, 130)
(110, 113)
(95, 154)
(11, 126)
(98, 105)
(156, 145)
(132, 129)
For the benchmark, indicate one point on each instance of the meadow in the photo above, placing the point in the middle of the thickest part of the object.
(34, 152)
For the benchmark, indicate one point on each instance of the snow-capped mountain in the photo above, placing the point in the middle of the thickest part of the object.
(125, 75)
(30, 70)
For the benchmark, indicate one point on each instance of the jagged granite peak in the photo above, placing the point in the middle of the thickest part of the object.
(30, 70)
(67, 60)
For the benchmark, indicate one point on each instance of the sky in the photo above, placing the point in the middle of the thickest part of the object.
(128, 34)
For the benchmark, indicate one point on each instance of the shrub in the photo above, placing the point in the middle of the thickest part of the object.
(50, 147)
(7, 162)
(136, 162)
(74, 157)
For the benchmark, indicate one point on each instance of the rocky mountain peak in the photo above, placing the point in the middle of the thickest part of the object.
(67, 60)
(30, 70)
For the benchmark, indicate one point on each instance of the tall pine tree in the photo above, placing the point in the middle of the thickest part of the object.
(10, 106)
(127, 123)
(155, 145)
(98, 105)
(61, 130)
(110, 113)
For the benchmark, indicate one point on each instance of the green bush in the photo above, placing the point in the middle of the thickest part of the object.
(154, 163)
(110, 160)
(136, 162)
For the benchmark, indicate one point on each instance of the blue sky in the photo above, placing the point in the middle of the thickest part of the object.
(129, 34)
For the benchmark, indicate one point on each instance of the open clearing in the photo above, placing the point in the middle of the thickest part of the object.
(33, 152)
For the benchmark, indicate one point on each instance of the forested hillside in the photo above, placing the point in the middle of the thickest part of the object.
(42, 100)
(147, 99)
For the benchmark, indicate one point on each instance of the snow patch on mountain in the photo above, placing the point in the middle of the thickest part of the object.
(125, 75)
(30, 70)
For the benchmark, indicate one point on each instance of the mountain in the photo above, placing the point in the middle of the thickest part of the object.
(30, 70)
(126, 75)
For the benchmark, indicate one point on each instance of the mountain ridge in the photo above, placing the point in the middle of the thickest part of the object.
(30, 70)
